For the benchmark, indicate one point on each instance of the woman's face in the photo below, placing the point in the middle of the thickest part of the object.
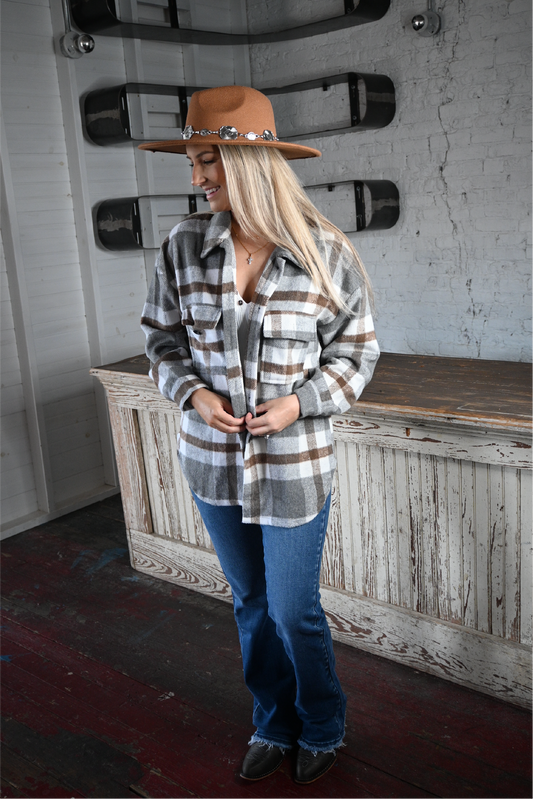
(208, 174)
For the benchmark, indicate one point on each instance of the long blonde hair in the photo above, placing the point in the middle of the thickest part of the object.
(268, 202)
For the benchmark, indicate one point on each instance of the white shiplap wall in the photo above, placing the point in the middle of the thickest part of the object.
(44, 282)
(68, 304)
(19, 495)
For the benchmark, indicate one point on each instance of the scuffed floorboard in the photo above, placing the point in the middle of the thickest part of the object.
(116, 684)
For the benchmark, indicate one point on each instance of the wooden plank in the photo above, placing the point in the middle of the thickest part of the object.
(512, 533)
(35, 735)
(13, 399)
(130, 466)
(31, 779)
(453, 386)
(526, 495)
(17, 506)
(163, 476)
(483, 556)
(176, 562)
(442, 539)
(74, 436)
(69, 411)
(90, 483)
(17, 481)
(392, 527)
(497, 552)
(415, 532)
(434, 438)
(355, 518)
(104, 686)
(470, 546)
(192, 526)
(403, 517)
(73, 383)
(430, 574)
(344, 510)
(84, 459)
(379, 527)
(455, 542)
(332, 573)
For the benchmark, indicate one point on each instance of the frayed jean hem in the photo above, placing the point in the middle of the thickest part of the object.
(315, 749)
(258, 739)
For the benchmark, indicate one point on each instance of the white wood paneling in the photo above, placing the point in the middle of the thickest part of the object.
(52, 306)
(34, 488)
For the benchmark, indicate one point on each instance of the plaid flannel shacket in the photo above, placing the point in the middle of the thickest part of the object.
(299, 343)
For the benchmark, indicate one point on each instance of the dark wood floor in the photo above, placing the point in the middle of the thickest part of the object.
(120, 685)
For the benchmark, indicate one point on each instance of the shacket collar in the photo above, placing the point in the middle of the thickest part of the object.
(218, 230)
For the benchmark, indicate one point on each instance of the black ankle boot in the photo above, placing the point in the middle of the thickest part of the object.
(261, 760)
(310, 766)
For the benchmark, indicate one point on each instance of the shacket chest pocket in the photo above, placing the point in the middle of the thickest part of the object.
(289, 341)
(206, 339)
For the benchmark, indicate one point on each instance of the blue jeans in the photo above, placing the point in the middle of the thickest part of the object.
(287, 652)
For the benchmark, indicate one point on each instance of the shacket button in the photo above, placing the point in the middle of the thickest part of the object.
(241, 302)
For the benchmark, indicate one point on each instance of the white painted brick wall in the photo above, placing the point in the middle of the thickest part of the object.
(453, 277)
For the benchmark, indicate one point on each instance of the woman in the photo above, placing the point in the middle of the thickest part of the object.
(258, 325)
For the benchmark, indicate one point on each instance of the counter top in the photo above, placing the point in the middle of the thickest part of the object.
(496, 394)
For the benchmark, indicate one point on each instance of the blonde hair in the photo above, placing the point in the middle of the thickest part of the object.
(268, 202)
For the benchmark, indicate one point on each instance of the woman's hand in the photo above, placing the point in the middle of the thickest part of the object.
(216, 411)
(273, 416)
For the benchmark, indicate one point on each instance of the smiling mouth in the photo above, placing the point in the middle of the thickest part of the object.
(209, 193)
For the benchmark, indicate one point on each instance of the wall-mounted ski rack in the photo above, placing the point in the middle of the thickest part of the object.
(357, 205)
(122, 113)
(134, 223)
(339, 104)
(102, 17)
(357, 101)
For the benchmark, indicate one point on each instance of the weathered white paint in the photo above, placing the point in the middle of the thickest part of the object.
(428, 547)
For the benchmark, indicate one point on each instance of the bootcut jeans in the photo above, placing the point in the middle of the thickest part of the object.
(287, 652)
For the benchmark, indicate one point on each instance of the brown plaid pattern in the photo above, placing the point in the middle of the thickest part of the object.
(299, 343)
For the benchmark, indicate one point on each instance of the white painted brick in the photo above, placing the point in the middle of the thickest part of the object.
(463, 102)
(520, 7)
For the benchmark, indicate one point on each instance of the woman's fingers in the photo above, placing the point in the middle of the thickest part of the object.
(273, 416)
(216, 411)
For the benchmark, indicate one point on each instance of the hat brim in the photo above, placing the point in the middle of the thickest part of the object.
(290, 151)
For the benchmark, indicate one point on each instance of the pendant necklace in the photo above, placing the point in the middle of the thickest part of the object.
(249, 259)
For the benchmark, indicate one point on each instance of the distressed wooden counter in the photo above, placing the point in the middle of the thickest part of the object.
(428, 554)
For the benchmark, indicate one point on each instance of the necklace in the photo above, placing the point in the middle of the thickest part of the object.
(249, 259)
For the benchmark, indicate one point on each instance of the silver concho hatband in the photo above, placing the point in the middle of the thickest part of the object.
(228, 133)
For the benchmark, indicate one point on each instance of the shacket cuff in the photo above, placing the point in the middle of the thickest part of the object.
(310, 403)
(185, 398)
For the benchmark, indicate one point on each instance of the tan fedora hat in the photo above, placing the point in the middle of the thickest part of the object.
(231, 115)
